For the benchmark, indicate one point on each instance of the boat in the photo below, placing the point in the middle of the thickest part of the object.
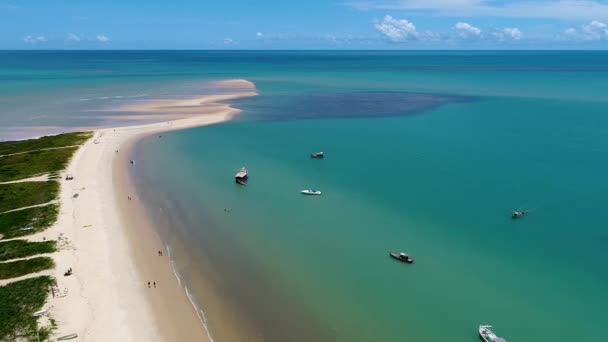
(318, 155)
(402, 257)
(241, 176)
(518, 214)
(310, 192)
(487, 335)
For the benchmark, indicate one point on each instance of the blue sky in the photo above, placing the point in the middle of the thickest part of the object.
(348, 24)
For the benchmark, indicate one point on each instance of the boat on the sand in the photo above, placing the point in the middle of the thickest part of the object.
(404, 257)
(487, 334)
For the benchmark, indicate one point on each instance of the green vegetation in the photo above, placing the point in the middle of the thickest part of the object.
(19, 195)
(22, 267)
(61, 140)
(37, 218)
(25, 165)
(18, 302)
(15, 249)
(21, 160)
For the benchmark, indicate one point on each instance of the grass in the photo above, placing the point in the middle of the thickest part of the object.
(18, 195)
(15, 249)
(25, 165)
(18, 302)
(38, 218)
(22, 267)
(61, 140)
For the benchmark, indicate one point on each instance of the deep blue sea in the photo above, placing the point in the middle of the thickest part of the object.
(427, 152)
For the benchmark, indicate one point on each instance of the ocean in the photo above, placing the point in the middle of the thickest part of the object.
(427, 152)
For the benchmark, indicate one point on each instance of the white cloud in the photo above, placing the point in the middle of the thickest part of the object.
(102, 38)
(595, 30)
(396, 30)
(259, 35)
(466, 30)
(512, 33)
(550, 9)
(229, 41)
(72, 37)
(34, 40)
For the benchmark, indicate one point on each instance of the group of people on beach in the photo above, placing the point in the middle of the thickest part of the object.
(160, 253)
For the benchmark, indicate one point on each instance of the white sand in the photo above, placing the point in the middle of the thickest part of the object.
(107, 296)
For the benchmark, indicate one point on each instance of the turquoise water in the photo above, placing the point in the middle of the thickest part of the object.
(427, 152)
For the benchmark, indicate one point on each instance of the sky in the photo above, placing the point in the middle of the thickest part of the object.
(309, 24)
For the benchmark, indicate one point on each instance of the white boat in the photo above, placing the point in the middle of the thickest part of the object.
(486, 334)
(311, 192)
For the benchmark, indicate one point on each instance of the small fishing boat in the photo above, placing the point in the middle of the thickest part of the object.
(310, 192)
(517, 214)
(401, 257)
(486, 334)
(318, 155)
(241, 176)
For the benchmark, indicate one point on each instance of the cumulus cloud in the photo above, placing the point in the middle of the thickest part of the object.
(396, 30)
(466, 30)
(73, 38)
(229, 41)
(512, 33)
(102, 38)
(592, 31)
(595, 30)
(34, 40)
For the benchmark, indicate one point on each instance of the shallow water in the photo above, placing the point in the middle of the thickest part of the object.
(513, 130)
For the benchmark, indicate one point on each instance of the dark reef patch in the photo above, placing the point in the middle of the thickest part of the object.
(343, 105)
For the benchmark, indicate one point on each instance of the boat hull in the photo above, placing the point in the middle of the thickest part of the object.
(397, 257)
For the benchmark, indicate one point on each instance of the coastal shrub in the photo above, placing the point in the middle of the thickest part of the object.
(15, 249)
(30, 164)
(20, 268)
(61, 140)
(18, 302)
(19, 195)
(37, 218)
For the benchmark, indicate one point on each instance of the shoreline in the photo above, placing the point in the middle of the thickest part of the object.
(111, 245)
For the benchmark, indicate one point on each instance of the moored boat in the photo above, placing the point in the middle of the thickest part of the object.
(241, 176)
(310, 192)
(486, 334)
(318, 155)
(517, 214)
(402, 257)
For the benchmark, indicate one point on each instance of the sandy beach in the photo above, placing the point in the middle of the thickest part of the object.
(106, 239)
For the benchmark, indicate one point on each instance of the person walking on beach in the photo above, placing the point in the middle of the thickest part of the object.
(154, 284)
(148, 284)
